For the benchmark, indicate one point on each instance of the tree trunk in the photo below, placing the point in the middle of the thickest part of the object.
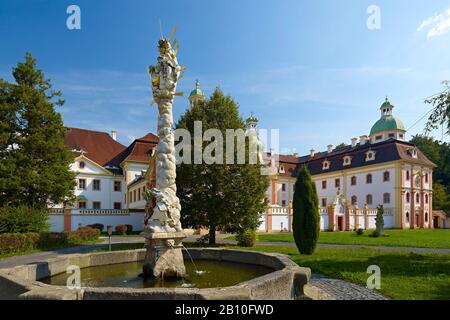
(212, 235)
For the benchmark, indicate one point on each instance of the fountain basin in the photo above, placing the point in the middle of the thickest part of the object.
(285, 279)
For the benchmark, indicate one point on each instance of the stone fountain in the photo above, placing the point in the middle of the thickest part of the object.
(162, 227)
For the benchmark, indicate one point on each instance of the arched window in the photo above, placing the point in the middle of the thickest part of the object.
(369, 178)
(407, 217)
(353, 181)
(407, 197)
(417, 198)
(426, 216)
(354, 200)
(386, 176)
(387, 198)
(426, 177)
(426, 199)
(407, 175)
(369, 199)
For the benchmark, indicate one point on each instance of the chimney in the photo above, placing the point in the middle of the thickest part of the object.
(114, 135)
(330, 148)
(295, 154)
(362, 140)
(354, 142)
(313, 152)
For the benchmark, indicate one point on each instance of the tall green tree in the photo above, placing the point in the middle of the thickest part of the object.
(224, 196)
(306, 219)
(440, 116)
(34, 166)
(439, 153)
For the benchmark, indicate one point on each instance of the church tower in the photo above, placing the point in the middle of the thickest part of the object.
(196, 95)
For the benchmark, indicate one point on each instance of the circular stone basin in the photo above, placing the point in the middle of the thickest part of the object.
(230, 275)
(208, 274)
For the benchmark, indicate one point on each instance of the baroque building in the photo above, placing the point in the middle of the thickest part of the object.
(351, 180)
(381, 168)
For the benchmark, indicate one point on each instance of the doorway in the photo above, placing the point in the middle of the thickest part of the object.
(340, 223)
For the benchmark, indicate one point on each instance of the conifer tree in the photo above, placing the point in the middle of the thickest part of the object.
(306, 219)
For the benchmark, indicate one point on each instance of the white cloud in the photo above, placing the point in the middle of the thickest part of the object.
(439, 23)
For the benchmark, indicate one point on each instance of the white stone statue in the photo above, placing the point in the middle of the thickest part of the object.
(165, 216)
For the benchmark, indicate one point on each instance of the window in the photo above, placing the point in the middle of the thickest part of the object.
(324, 184)
(354, 200)
(353, 181)
(407, 197)
(96, 205)
(417, 198)
(369, 199)
(347, 160)
(407, 175)
(426, 216)
(324, 202)
(391, 135)
(130, 197)
(378, 137)
(134, 195)
(426, 177)
(81, 164)
(325, 165)
(407, 217)
(387, 198)
(401, 135)
(426, 199)
(281, 169)
(82, 204)
(283, 187)
(370, 155)
(96, 184)
(82, 184)
(369, 179)
(386, 176)
(337, 183)
(117, 205)
(117, 186)
(139, 194)
(283, 203)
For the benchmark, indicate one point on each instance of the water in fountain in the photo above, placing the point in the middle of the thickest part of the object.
(192, 260)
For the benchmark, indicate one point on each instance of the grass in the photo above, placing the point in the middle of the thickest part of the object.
(421, 238)
(404, 276)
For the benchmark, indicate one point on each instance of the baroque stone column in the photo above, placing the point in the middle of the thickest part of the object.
(162, 226)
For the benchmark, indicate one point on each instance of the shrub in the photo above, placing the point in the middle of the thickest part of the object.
(306, 219)
(375, 233)
(98, 226)
(19, 242)
(359, 231)
(21, 219)
(82, 234)
(16, 242)
(121, 229)
(246, 238)
(129, 228)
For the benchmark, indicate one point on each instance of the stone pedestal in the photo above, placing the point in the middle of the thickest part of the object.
(164, 256)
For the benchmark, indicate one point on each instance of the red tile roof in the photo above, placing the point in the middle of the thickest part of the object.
(97, 146)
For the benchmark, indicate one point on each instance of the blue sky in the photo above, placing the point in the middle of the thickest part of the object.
(309, 68)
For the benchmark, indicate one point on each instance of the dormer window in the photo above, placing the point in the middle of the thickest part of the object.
(347, 160)
(413, 153)
(326, 165)
(370, 155)
(281, 169)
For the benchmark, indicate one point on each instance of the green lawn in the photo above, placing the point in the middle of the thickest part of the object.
(422, 238)
(404, 276)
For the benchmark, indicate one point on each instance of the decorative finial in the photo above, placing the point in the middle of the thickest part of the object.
(197, 84)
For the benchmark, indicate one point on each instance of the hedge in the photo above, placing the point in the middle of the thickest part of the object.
(18, 242)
